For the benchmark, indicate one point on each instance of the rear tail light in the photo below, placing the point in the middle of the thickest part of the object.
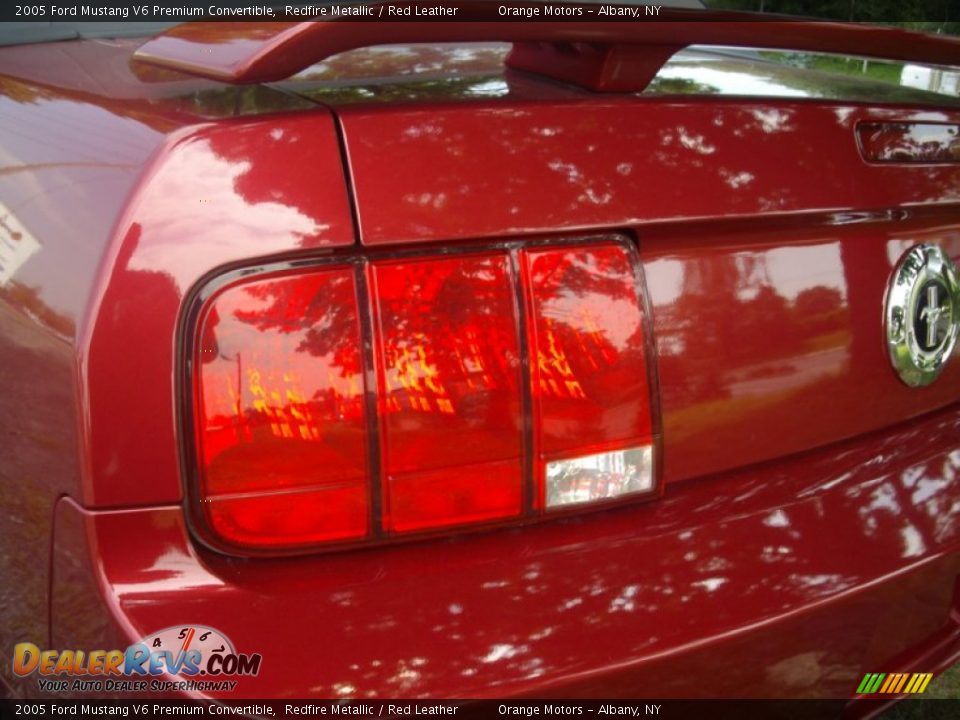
(352, 402)
(281, 423)
(592, 420)
(448, 359)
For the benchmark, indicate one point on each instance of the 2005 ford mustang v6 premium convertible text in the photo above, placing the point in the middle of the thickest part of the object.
(459, 360)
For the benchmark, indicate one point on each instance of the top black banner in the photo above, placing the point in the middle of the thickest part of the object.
(65, 14)
(120, 11)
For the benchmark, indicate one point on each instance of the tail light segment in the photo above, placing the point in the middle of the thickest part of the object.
(281, 424)
(372, 398)
(448, 360)
(591, 389)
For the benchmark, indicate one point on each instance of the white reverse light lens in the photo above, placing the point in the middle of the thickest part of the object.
(598, 477)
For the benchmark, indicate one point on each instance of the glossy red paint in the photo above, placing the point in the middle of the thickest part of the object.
(735, 587)
(67, 196)
(446, 172)
(214, 195)
(264, 52)
(809, 533)
(62, 198)
(776, 332)
(601, 68)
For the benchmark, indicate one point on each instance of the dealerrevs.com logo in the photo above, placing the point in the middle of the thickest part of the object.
(201, 658)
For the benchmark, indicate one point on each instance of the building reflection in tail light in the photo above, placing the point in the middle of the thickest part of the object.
(371, 398)
(593, 433)
(281, 428)
(449, 365)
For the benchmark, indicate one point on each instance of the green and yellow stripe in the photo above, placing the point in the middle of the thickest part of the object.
(894, 683)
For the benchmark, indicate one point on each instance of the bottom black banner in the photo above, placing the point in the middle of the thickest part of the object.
(673, 709)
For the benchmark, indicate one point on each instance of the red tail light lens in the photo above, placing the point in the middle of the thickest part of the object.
(475, 422)
(449, 364)
(593, 428)
(281, 427)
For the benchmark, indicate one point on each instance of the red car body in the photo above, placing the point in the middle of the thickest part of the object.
(807, 532)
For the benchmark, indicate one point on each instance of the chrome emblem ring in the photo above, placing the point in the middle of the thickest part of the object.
(922, 314)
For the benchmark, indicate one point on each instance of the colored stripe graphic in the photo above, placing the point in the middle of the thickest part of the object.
(894, 683)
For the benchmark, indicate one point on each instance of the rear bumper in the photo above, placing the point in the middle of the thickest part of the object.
(790, 579)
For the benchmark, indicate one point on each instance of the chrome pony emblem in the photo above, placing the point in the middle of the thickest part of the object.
(922, 314)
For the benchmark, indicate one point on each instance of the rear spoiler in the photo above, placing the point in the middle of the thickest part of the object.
(617, 56)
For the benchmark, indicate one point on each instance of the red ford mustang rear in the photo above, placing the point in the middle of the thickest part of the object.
(446, 370)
